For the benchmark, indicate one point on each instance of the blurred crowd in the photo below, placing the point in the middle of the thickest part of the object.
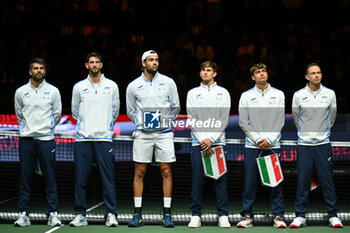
(286, 35)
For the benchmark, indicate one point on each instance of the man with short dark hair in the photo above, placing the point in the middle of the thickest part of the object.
(152, 104)
(314, 109)
(208, 102)
(261, 117)
(38, 109)
(95, 106)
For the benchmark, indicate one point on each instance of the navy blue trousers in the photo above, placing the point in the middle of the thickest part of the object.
(251, 178)
(320, 157)
(198, 180)
(30, 151)
(85, 154)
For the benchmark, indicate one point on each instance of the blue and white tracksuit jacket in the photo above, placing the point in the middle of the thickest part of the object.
(152, 104)
(95, 108)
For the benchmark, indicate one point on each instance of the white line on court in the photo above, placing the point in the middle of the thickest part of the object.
(88, 210)
(8, 200)
(95, 206)
(53, 229)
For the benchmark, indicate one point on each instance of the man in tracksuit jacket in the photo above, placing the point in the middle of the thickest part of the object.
(95, 106)
(314, 111)
(38, 109)
(152, 104)
(261, 117)
(207, 103)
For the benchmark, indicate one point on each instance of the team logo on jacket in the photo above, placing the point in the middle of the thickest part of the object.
(141, 87)
(305, 99)
(27, 95)
(86, 91)
(151, 119)
(254, 100)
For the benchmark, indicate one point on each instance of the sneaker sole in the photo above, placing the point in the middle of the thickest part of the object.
(247, 226)
(139, 225)
(296, 226)
(83, 225)
(336, 226)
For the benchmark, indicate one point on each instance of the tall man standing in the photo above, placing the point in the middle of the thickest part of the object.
(261, 117)
(314, 111)
(38, 109)
(152, 103)
(95, 106)
(204, 103)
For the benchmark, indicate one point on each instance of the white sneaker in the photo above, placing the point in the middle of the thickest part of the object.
(195, 222)
(223, 222)
(278, 222)
(111, 220)
(23, 220)
(54, 221)
(298, 222)
(335, 222)
(246, 222)
(79, 221)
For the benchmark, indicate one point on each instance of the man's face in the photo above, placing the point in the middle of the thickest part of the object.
(37, 72)
(94, 65)
(151, 64)
(314, 75)
(260, 76)
(207, 74)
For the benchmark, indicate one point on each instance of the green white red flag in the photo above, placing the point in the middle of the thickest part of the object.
(214, 163)
(270, 170)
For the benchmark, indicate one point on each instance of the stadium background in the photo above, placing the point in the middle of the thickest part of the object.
(285, 35)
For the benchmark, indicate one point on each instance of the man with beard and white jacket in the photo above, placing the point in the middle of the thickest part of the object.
(152, 104)
(206, 103)
(95, 106)
(314, 111)
(261, 117)
(38, 110)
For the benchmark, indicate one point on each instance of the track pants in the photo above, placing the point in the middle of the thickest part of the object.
(320, 157)
(30, 151)
(251, 178)
(198, 180)
(85, 153)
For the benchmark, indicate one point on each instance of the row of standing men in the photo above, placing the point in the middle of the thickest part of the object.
(152, 104)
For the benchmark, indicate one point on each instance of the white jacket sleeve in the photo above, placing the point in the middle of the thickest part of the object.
(174, 101)
(191, 114)
(333, 109)
(278, 122)
(131, 103)
(224, 115)
(244, 122)
(296, 110)
(57, 107)
(75, 102)
(18, 106)
(115, 103)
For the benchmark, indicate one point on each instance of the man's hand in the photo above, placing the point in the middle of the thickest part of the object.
(206, 145)
(263, 144)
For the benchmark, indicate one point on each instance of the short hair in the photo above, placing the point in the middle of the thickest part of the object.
(209, 63)
(37, 60)
(93, 54)
(311, 64)
(257, 67)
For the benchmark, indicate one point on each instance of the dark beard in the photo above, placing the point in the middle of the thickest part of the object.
(38, 80)
(151, 71)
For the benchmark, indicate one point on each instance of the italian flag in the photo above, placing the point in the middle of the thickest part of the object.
(214, 164)
(270, 170)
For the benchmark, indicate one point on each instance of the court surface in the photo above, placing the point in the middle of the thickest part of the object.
(9, 228)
